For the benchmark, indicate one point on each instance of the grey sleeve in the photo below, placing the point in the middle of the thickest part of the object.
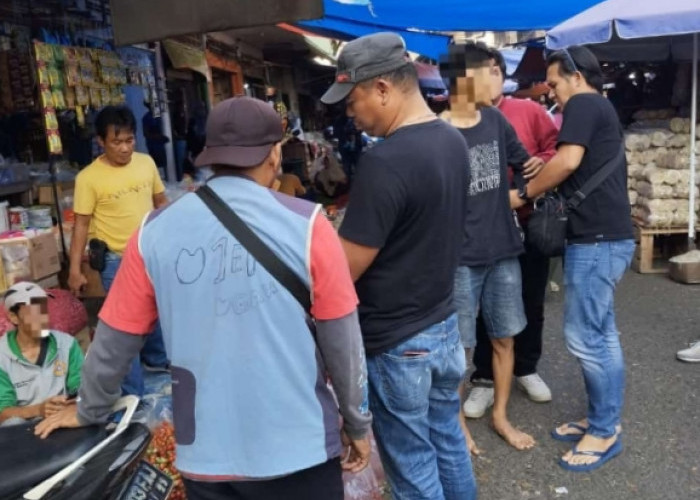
(340, 343)
(107, 362)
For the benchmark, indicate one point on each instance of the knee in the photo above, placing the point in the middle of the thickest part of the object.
(502, 346)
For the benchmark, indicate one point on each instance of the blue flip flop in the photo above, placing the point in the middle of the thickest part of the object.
(605, 456)
(570, 438)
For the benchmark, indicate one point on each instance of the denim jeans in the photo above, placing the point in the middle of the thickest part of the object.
(153, 352)
(495, 290)
(591, 273)
(415, 406)
(528, 343)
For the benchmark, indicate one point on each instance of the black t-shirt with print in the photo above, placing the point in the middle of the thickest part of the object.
(408, 200)
(490, 233)
(590, 121)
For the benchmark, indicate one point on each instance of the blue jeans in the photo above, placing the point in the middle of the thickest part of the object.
(153, 352)
(591, 273)
(415, 407)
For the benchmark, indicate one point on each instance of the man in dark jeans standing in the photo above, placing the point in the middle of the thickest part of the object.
(537, 132)
(402, 236)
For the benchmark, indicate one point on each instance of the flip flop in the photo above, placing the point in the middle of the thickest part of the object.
(570, 438)
(605, 456)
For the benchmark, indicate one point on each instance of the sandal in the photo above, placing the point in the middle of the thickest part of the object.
(604, 456)
(570, 438)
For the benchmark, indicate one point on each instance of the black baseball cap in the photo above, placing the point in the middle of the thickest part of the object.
(240, 132)
(365, 58)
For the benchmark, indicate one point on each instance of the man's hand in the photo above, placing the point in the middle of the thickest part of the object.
(76, 281)
(54, 405)
(515, 200)
(532, 167)
(65, 418)
(357, 457)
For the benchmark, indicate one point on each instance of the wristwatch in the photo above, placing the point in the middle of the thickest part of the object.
(522, 194)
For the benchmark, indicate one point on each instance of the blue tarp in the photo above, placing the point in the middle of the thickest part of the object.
(457, 15)
(649, 30)
(645, 18)
(413, 19)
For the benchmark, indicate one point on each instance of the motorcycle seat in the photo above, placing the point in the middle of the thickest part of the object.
(26, 460)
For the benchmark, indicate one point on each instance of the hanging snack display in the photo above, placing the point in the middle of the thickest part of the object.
(45, 69)
(16, 81)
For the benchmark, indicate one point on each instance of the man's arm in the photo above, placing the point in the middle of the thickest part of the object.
(76, 279)
(106, 365)
(559, 168)
(359, 257)
(339, 340)
(23, 412)
(160, 200)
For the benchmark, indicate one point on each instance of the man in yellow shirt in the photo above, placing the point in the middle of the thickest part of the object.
(112, 196)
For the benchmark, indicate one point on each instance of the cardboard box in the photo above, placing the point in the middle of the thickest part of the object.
(43, 255)
(45, 194)
(40, 258)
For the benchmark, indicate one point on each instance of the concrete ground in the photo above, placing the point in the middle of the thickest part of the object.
(661, 459)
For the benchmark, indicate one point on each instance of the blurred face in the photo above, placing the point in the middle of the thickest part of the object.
(118, 146)
(370, 106)
(562, 88)
(33, 318)
(472, 89)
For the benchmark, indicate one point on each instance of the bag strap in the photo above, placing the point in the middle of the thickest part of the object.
(256, 247)
(603, 173)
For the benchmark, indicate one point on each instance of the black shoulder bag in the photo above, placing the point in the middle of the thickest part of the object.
(550, 217)
(255, 246)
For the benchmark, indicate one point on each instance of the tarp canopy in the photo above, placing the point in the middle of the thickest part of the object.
(647, 30)
(456, 15)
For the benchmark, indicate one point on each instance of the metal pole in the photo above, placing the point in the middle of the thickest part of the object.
(693, 142)
(165, 115)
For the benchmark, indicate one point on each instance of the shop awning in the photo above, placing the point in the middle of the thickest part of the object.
(455, 15)
(138, 21)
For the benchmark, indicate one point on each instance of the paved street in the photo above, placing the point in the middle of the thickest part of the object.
(661, 460)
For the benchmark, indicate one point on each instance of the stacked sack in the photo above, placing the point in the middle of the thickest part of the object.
(659, 175)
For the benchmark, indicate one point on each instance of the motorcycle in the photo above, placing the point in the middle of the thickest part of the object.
(98, 462)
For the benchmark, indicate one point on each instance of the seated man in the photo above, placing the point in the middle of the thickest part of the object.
(39, 368)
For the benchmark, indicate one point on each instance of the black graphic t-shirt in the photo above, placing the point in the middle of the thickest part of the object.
(490, 233)
(590, 120)
(408, 200)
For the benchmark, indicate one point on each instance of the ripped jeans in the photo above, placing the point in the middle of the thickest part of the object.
(415, 406)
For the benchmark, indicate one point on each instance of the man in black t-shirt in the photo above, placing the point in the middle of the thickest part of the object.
(599, 249)
(402, 233)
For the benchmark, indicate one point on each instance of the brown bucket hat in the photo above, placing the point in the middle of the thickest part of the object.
(240, 132)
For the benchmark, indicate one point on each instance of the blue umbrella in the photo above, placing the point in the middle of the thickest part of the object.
(648, 28)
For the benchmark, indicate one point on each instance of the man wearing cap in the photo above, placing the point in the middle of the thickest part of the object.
(39, 368)
(402, 235)
(253, 416)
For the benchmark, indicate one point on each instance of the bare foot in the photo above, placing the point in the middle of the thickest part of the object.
(588, 443)
(514, 437)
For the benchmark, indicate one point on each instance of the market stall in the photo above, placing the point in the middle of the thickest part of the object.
(663, 156)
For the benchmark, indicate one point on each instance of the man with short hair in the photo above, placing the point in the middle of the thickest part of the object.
(600, 245)
(402, 234)
(254, 418)
(39, 368)
(537, 133)
(112, 196)
(488, 278)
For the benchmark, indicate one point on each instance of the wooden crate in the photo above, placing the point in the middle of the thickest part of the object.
(655, 246)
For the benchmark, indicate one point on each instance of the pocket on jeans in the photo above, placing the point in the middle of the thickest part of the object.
(406, 380)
